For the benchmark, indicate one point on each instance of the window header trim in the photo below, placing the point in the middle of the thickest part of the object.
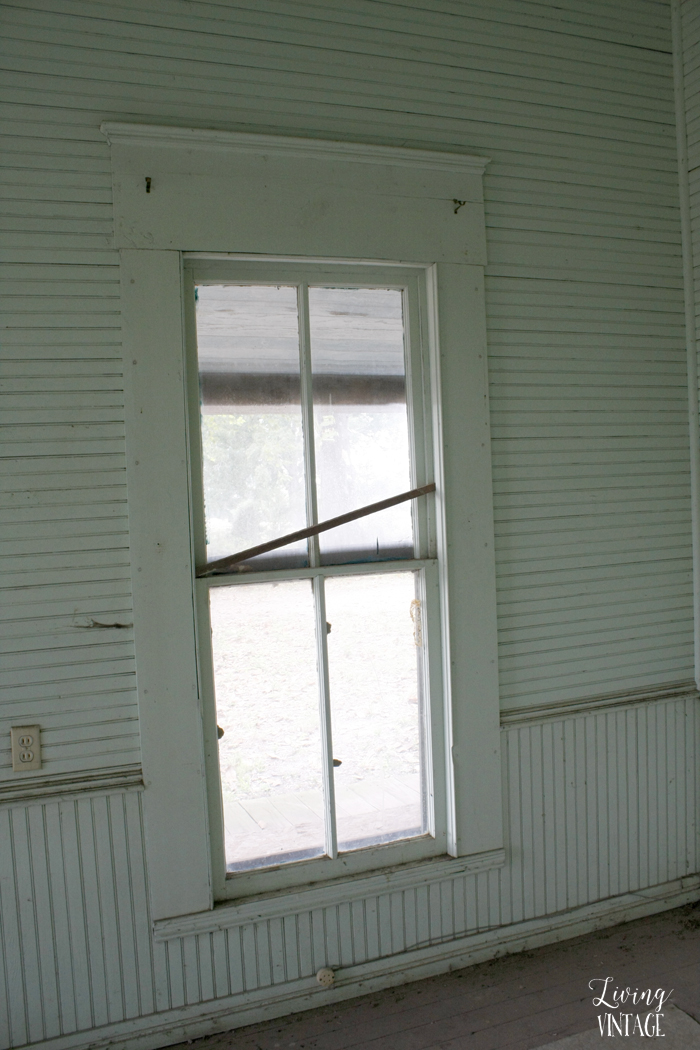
(117, 132)
(195, 190)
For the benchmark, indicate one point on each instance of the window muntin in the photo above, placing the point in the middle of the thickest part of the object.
(377, 387)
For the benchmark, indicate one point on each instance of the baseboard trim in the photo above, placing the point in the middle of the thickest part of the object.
(200, 1019)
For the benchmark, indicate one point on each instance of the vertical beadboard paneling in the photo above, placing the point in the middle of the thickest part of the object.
(594, 811)
(630, 809)
(69, 917)
(589, 841)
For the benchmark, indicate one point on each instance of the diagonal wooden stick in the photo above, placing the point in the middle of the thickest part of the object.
(214, 568)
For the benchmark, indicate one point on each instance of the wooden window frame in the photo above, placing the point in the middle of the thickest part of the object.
(227, 195)
(412, 282)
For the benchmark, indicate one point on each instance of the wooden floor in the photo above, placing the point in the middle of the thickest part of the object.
(519, 1002)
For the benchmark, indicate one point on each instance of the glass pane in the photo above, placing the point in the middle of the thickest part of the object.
(360, 419)
(267, 702)
(376, 707)
(252, 443)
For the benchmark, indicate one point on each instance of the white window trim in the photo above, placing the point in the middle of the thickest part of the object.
(412, 281)
(219, 192)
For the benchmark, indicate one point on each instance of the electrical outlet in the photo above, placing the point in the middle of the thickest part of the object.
(26, 748)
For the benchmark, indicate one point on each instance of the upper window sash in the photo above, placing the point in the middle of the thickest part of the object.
(304, 280)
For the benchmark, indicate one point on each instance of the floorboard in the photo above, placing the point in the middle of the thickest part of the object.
(520, 1002)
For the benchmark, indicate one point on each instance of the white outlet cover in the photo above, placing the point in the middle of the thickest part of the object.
(26, 748)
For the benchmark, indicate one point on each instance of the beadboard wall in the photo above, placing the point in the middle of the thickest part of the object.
(574, 105)
(601, 804)
(690, 15)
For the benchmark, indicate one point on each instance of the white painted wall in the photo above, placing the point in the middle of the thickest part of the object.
(601, 805)
(690, 16)
(573, 103)
(690, 30)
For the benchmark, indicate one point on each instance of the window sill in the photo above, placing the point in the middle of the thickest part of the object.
(285, 902)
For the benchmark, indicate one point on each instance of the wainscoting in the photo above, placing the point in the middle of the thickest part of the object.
(602, 803)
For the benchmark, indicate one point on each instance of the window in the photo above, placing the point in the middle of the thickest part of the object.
(220, 204)
(308, 403)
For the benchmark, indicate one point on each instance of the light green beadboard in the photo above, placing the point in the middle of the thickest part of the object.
(601, 807)
(584, 299)
(690, 20)
(573, 103)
